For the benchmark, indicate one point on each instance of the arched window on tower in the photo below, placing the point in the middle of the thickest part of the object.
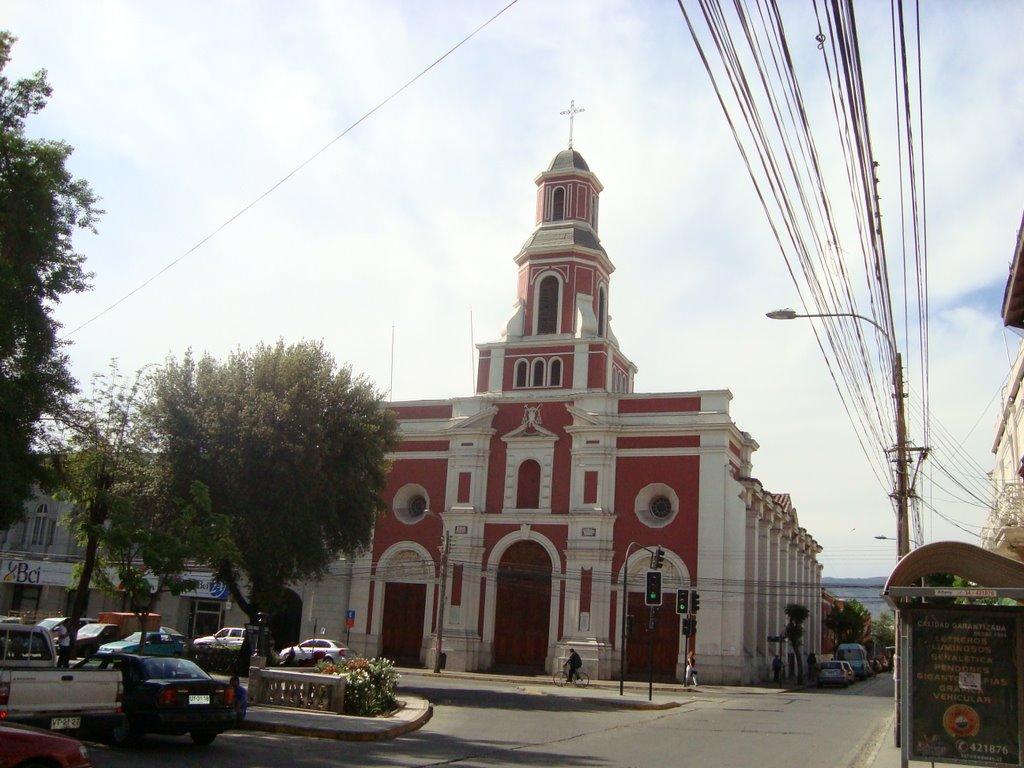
(522, 372)
(558, 204)
(555, 373)
(538, 373)
(547, 305)
(528, 485)
(602, 311)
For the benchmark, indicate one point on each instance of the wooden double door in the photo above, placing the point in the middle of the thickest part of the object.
(401, 633)
(665, 648)
(522, 610)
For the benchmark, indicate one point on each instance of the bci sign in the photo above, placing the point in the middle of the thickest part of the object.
(20, 572)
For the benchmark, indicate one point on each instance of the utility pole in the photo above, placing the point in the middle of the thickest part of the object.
(902, 462)
(440, 603)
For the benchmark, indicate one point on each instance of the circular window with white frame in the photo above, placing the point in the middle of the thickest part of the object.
(411, 503)
(657, 505)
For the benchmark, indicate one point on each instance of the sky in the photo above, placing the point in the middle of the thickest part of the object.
(181, 114)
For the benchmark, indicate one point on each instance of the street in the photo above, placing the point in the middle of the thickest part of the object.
(491, 724)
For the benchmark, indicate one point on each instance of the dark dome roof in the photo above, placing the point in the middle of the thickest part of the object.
(568, 160)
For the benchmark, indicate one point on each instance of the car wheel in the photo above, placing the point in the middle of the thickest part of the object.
(203, 738)
(329, 659)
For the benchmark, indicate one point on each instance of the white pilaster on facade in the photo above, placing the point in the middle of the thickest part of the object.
(763, 593)
(751, 599)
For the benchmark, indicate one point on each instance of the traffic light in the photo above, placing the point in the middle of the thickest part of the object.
(686, 627)
(682, 601)
(653, 594)
(657, 559)
(695, 602)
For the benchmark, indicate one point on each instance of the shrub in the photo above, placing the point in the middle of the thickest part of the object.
(369, 687)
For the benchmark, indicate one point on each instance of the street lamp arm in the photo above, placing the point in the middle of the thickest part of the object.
(789, 314)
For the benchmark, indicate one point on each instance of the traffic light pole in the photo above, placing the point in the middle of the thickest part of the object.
(622, 642)
(652, 621)
(439, 634)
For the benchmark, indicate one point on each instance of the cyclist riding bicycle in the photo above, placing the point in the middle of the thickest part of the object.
(573, 663)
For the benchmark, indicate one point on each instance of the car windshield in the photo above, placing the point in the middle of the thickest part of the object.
(171, 669)
(831, 665)
(49, 623)
(91, 630)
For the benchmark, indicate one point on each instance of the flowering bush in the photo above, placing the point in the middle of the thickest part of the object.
(369, 687)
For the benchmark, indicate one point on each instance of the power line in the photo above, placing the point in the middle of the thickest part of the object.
(272, 188)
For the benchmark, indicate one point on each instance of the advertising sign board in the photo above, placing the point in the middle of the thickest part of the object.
(964, 676)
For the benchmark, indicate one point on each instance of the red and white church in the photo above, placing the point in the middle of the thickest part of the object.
(545, 476)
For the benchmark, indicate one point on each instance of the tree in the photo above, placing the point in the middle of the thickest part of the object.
(794, 632)
(848, 623)
(147, 551)
(883, 632)
(41, 206)
(108, 468)
(293, 450)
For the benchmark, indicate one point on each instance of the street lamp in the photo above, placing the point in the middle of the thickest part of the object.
(890, 538)
(446, 541)
(902, 491)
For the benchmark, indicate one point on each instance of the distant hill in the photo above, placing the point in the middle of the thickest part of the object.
(865, 590)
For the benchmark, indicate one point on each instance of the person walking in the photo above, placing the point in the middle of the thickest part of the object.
(574, 662)
(63, 643)
(777, 669)
(812, 666)
(691, 670)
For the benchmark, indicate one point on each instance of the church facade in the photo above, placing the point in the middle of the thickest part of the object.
(552, 483)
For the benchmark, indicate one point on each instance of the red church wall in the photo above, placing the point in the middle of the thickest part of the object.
(682, 475)
(409, 412)
(596, 367)
(675, 441)
(432, 475)
(555, 418)
(659, 404)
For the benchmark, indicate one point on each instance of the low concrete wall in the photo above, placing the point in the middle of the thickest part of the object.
(297, 690)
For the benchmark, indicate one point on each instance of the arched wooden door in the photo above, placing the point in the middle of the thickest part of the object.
(666, 640)
(522, 608)
(401, 632)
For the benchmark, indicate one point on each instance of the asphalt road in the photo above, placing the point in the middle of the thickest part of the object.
(501, 724)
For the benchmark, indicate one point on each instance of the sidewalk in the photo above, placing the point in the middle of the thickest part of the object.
(327, 725)
(606, 685)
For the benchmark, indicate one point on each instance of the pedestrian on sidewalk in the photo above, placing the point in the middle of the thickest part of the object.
(812, 666)
(63, 646)
(777, 669)
(691, 670)
(241, 698)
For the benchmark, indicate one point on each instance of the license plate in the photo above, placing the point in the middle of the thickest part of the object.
(198, 699)
(65, 723)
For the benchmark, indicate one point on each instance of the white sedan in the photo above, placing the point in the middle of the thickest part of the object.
(228, 637)
(315, 649)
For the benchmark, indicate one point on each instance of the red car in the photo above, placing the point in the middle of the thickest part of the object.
(22, 745)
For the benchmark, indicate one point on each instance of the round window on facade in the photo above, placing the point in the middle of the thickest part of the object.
(417, 506)
(660, 507)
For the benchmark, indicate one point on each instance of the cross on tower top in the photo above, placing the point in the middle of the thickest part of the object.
(572, 111)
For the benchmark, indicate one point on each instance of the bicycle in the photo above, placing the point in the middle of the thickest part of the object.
(581, 679)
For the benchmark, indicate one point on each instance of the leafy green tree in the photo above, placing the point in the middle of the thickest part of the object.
(848, 624)
(145, 552)
(109, 467)
(41, 206)
(883, 632)
(293, 450)
(796, 615)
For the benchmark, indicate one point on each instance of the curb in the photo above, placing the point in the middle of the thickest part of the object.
(325, 733)
(638, 705)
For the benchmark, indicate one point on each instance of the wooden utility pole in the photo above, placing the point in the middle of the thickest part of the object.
(439, 629)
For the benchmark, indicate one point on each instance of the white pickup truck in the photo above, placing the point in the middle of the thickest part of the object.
(33, 690)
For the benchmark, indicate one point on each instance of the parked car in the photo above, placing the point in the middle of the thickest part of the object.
(857, 655)
(851, 675)
(51, 624)
(168, 696)
(165, 642)
(22, 745)
(34, 691)
(92, 636)
(228, 637)
(832, 673)
(313, 650)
